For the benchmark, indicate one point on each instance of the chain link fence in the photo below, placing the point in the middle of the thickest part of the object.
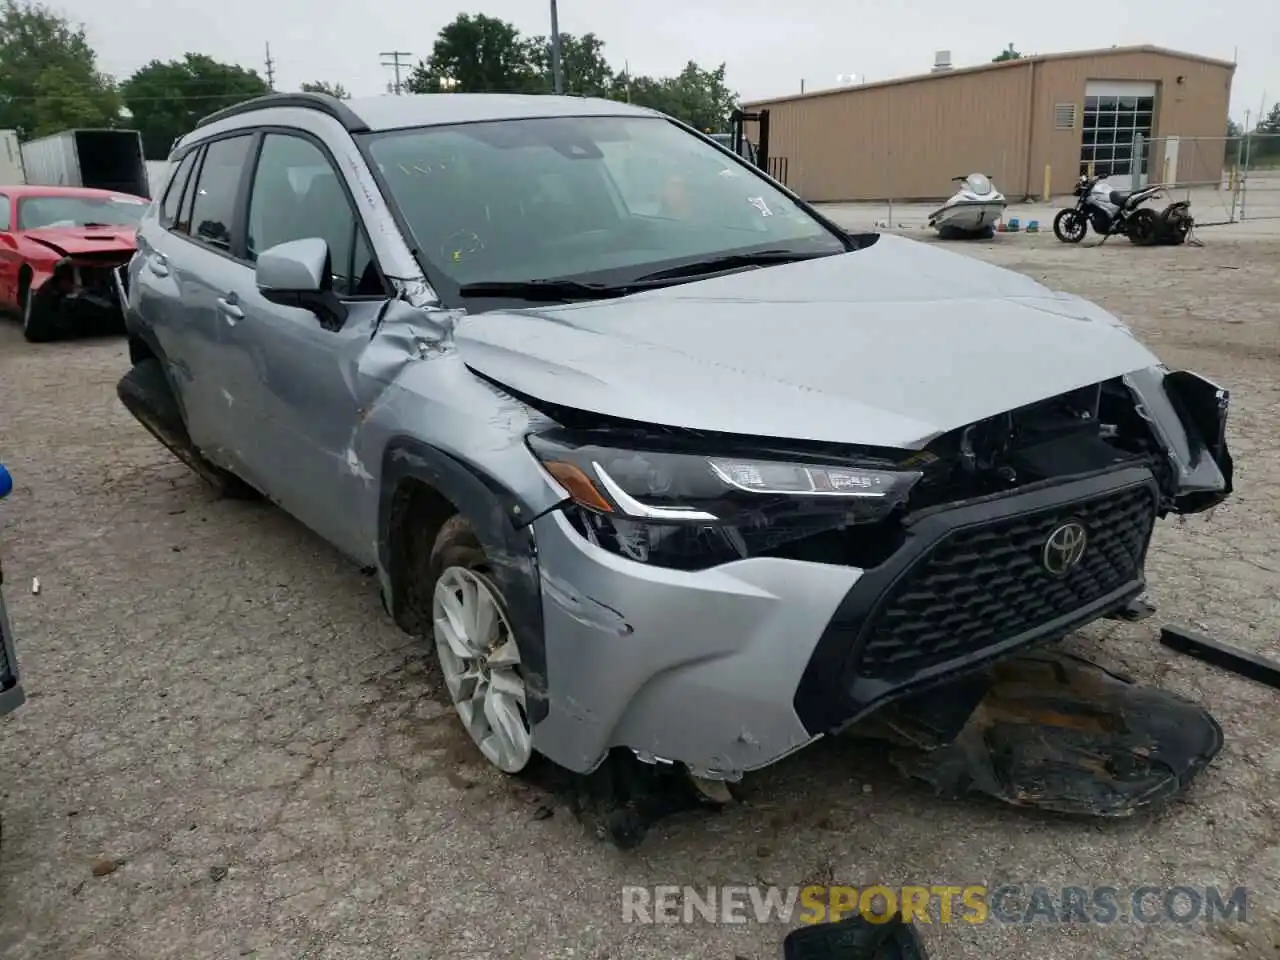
(1228, 179)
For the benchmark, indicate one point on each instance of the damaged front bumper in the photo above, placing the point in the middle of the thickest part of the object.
(729, 669)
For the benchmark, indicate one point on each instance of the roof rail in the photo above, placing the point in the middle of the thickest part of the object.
(304, 101)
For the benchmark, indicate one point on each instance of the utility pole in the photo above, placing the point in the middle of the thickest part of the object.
(557, 74)
(396, 65)
(271, 70)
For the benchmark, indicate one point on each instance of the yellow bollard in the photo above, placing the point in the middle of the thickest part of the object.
(1048, 179)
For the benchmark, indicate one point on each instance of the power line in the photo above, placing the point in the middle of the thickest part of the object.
(396, 65)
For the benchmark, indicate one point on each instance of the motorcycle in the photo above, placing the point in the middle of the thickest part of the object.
(1117, 213)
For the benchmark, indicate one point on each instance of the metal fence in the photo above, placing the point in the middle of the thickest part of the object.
(1229, 179)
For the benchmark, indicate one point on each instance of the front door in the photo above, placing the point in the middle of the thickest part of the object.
(306, 385)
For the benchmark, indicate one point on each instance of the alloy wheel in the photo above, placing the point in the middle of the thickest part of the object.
(481, 666)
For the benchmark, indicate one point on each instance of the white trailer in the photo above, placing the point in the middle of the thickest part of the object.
(105, 159)
(12, 172)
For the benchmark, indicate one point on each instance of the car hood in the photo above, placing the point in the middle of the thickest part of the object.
(74, 241)
(889, 346)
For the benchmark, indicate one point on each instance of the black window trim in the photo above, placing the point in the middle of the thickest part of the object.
(180, 185)
(240, 203)
(361, 228)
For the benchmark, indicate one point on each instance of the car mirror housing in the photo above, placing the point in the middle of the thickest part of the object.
(299, 266)
(298, 274)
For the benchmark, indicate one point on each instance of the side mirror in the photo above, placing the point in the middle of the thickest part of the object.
(298, 274)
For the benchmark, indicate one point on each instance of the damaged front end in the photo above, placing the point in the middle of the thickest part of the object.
(720, 602)
(81, 294)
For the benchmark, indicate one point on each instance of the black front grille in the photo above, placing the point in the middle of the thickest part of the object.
(984, 584)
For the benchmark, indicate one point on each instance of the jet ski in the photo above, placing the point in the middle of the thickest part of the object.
(973, 212)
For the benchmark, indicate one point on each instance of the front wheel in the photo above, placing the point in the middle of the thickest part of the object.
(1070, 225)
(478, 650)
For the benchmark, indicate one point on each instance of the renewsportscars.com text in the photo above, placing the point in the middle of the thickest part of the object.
(973, 904)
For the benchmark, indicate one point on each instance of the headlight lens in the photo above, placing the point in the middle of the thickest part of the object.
(690, 511)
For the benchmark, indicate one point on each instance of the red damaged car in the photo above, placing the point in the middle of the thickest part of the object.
(59, 249)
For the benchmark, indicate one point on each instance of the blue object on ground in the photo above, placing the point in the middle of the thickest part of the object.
(6, 482)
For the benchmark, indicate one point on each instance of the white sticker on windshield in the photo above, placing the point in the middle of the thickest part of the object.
(759, 204)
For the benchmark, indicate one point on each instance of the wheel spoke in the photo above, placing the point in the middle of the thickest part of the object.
(508, 683)
(484, 626)
(507, 655)
(447, 629)
(507, 724)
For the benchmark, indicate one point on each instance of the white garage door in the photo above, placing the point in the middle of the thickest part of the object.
(1115, 111)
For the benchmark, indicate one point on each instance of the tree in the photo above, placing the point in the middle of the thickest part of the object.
(698, 97)
(1265, 143)
(49, 79)
(1008, 53)
(586, 72)
(477, 54)
(332, 89)
(168, 99)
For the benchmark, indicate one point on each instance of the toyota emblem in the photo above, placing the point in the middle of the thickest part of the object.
(1064, 549)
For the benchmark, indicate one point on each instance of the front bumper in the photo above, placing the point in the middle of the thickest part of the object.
(730, 669)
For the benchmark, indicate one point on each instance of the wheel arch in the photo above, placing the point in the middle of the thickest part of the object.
(421, 487)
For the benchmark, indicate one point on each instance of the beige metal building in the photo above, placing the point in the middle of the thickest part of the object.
(905, 139)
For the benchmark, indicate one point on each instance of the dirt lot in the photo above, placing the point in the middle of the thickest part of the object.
(219, 706)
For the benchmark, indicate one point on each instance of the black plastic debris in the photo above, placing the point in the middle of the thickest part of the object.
(1215, 653)
(855, 938)
(1059, 733)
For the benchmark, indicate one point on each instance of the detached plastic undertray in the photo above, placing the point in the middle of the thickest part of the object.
(855, 938)
(1058, 733)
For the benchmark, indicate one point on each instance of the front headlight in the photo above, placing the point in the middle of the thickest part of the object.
(688, 510)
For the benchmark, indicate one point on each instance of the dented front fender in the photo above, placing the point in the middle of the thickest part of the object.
(1188, 415)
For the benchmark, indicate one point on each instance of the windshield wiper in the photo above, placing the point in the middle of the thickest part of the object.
(551, 289)
(730, 261)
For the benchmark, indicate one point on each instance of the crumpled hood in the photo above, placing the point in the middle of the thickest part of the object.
(888, 346)
(73, 241)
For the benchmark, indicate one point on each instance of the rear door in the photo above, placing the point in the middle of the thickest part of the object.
(193, 254)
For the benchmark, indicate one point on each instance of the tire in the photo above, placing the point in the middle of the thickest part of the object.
(458, 565)
(986, 233)
(1070, 225)
(1144, 225)
(146, 393)
(34, 329)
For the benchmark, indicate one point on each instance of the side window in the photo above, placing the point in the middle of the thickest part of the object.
(173, 195)
(297, 195)
(6, 215)
(213, 208)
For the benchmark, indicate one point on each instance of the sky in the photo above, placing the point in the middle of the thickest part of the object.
(769, 46)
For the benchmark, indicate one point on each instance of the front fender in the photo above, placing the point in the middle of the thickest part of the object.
(501, 521)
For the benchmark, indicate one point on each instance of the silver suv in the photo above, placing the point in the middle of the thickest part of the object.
(662, 458)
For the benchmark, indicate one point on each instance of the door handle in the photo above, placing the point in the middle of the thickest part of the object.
(159, 264)
(230, 310)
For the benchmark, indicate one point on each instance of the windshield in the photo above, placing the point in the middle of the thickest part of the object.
(978, 183)
(604, 198)
(35, 213)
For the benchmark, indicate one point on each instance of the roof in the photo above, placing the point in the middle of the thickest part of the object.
(1002, 65)
(392, 112)
(19, 190)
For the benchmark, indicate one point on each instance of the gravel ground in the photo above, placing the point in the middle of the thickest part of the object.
(220, 711)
